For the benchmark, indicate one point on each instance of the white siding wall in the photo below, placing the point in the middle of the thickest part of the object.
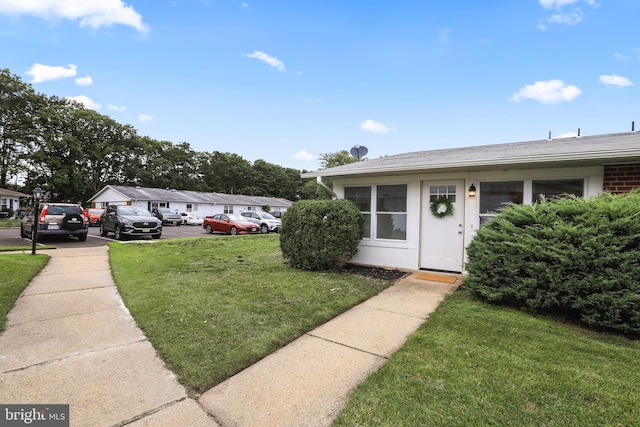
(406, 254)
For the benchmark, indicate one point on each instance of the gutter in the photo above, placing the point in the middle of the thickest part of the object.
(327, 189)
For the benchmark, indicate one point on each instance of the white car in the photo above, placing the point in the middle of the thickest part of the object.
(266, 221)
(192, 218)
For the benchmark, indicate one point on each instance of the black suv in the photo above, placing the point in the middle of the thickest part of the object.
(57, 219)
(129, 221)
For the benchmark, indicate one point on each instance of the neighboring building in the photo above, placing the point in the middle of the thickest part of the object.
(395, 192)
(185, 201)
(10, 200)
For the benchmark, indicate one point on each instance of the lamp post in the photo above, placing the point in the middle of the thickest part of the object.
(37, 194)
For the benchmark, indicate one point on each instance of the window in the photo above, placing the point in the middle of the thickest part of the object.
(494, 195)
(555, 188)
(192, 207)
(391, 212)
(228, 209)
(449, 191)
(361, 197)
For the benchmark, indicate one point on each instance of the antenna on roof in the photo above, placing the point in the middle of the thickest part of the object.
(359, 151)
(633, 126)
(578, 131)
(549, 135)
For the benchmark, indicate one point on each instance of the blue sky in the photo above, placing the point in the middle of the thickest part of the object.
(285, 81)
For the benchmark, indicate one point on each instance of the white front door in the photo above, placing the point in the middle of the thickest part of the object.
(442, 237)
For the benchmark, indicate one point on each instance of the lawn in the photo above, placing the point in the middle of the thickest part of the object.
(16, 271)
(472, 364)
(212, 307)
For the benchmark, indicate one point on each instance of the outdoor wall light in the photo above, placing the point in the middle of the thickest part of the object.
(472, 191)
(37, 195)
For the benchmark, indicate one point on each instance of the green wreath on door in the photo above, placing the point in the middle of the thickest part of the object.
(441, 207)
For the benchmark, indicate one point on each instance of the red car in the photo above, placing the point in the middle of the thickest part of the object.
(230, 224)
(94, 214)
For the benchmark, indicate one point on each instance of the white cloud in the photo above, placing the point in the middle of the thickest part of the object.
(562, 17)
(314, 100)
(304, 155)
(558, 4)
(84, 81)
(621, 57)
(90, 13)
(375, 127)
(144, 118)
(566, 18)
(116, 108)
(547, 92)
(270, 60)
(86, 101)
(42, 73)
(614, 80)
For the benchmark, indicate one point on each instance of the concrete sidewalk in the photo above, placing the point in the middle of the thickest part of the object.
(69, 339)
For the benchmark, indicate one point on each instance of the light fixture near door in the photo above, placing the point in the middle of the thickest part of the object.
(472, 191)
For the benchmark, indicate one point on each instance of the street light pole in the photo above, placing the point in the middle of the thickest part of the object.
(37, 194)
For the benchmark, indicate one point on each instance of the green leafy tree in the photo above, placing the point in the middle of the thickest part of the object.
(57, 155)
(19, 106)
(339, 158)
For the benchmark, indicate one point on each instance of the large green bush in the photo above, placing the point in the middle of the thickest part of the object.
(320, 234)
(571, 256)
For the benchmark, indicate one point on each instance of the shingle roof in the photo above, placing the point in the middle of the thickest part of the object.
(6, 192)
(184, 196)
(583, 150)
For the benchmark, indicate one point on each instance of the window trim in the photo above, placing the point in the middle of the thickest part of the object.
(374, 213)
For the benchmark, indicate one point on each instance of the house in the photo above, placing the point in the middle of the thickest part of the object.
(185, 201)
(10, 200)
(423, 208)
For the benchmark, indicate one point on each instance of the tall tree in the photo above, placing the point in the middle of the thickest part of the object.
(339, 158)
(18, 107)
(56, 156)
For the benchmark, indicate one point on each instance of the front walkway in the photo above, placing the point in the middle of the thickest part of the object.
(70, 340)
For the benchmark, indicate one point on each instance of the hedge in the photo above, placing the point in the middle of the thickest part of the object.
(320, 234)
(576, 257)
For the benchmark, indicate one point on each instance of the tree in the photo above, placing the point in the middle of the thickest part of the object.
(339, 158)
(329, 160)
(56, 154)
(19, 106)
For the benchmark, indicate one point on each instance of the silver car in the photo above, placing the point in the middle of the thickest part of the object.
(57, 219)
(266, 221)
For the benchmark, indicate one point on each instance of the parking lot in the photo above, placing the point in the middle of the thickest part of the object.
(11, 236)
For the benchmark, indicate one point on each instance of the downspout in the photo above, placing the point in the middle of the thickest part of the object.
(323, 185)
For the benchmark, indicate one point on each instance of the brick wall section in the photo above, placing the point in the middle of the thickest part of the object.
(620, 179)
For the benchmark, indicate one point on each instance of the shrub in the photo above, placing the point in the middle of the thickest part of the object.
(571, 256)
(320, 234)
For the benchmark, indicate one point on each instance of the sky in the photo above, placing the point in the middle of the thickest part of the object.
(287, 81)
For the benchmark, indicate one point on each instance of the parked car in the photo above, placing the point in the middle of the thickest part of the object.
(230, 224)
(166, 216)
(57, 219)
(192, 218)
(94, 215)
(129, 221)
(265, 220)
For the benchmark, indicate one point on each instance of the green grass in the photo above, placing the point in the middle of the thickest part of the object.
(9, 223)
(25, 248)
(212, 307)
(16, 271)
(472, 364)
